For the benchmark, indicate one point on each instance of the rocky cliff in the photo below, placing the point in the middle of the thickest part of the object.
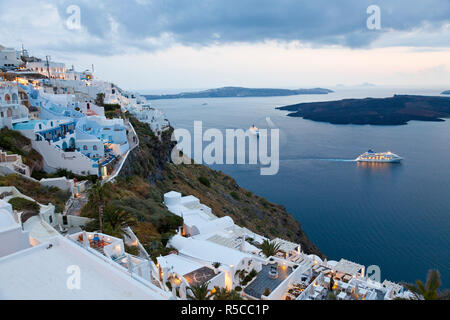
(151, 161)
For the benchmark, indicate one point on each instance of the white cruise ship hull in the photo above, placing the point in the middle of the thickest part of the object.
(379, 157)
(381, 161)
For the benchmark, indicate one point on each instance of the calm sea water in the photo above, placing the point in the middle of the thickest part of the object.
(396, 216)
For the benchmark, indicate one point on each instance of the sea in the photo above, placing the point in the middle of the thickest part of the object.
(395, 216)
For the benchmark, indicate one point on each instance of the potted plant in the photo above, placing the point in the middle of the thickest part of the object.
(216, 266)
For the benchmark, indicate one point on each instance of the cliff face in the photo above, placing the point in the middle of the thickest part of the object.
(215, 189)
(150, 157)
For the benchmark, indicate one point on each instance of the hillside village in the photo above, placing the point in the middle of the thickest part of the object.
(67, 163)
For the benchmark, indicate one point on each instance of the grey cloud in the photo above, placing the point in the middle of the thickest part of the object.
(205, 22)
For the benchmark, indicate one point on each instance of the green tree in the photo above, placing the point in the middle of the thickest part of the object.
(224, 294)
(332, 296)
(430, 289)
(100, 100)
(199, 292)
(270, 248)
(96, 194)
(116, 220)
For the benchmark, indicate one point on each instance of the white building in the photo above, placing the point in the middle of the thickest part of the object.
(11, 111)
(53, 70)
(141, 109)
(57, 142)
(207, 253)
(9, 58)
(200, 223)
(183, 272)
(51, 267)
(12, 237)
(62, 270)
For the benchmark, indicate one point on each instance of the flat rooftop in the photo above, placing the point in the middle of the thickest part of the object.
(41, 272)
(263, 280)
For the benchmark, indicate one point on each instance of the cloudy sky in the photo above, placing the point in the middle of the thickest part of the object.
(192, 44)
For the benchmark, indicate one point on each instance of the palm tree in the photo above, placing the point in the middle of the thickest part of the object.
(116, 220)
(270, 248)
(429, 290)
(96, 195)
(199, 292)
(224, 294)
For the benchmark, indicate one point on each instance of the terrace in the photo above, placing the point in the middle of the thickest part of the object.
(96, 242)
(322, 283)
(267, 279)
(112, 248)
(288, 250)
(200, 276)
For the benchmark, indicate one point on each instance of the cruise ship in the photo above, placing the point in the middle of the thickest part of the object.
(372, 156)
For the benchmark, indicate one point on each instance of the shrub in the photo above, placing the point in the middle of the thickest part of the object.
(111, 107)
(235, 195)
(264, 202)
(205, 181)
(267, 292)
(20, 204)
(238, 289)
(133, 250)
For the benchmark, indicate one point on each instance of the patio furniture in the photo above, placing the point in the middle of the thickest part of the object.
(273, 272)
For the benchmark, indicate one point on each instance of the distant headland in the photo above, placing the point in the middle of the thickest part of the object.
(229, 92)
(396, 110)
(446, 92)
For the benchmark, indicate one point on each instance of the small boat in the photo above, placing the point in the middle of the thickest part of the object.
(254, 130)
(372, 156)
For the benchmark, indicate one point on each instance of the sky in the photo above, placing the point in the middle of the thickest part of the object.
(167, 45)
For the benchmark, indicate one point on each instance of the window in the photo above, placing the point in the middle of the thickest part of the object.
(85, 147)
(94, 147)
(50, 219)
(65, 220)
